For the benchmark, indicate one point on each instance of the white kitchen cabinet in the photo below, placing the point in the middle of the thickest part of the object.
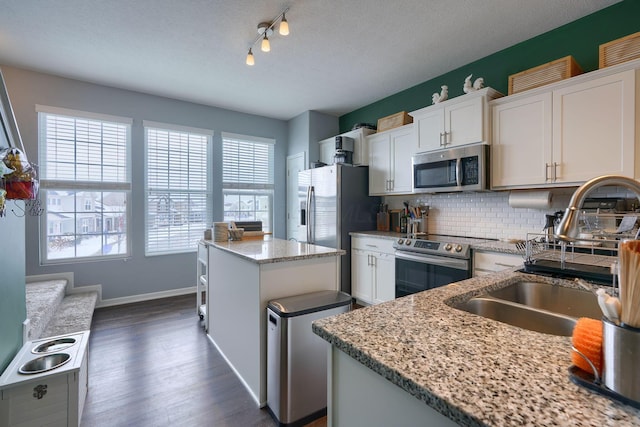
(565, 135)
(372, 270)
(390, 160)
(360, 151)
(327, 150)
(492, 262)
(458, 121)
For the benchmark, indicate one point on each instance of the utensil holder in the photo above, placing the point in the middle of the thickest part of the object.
(621, 352)
(383, 221)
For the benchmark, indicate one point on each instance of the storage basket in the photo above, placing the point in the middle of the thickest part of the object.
(393, 121)
(620, 50)
(544, 74)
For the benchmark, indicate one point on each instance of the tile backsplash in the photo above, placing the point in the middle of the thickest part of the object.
(488, 214)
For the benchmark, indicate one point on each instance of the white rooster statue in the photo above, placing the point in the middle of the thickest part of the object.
(477, 84)
(442, 96)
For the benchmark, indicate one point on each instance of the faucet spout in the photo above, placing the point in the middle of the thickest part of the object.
(567, 229)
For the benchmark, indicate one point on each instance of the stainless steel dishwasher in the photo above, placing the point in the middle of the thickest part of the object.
(297, 358)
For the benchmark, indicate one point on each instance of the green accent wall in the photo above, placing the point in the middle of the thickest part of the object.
(12, 283)
(581, 39)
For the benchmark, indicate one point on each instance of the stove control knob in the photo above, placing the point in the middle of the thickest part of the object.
(408, 242)
(447, 247)
(458, 248)
(400, 241)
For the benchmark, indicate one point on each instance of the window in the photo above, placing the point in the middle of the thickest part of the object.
(85, 180)
(247, 179)
(177, 186)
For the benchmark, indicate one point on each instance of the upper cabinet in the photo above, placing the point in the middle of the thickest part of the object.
(390, 160)
(565, 135)
(458, 121)
(360, 151)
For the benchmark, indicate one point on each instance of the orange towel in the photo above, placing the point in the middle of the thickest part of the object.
(587, 338)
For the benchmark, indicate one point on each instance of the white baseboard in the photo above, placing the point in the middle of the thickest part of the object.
(146, 297)
(26, 326)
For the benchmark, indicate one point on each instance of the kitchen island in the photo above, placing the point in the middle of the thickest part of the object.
(243, 276)
(419, 361)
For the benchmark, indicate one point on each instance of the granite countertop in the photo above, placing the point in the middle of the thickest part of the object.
(271, 249)
(476, 371)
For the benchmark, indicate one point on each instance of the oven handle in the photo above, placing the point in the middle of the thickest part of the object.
(459, 264)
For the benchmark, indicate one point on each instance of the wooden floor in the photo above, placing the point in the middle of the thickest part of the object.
(150, 364)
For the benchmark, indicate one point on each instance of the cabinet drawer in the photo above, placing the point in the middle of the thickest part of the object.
(383, 245)
(491, 262)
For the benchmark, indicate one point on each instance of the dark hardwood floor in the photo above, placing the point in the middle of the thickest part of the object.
(150, 364)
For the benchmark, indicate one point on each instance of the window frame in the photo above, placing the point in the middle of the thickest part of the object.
(78, 186)
(241, 188)
(169, 127)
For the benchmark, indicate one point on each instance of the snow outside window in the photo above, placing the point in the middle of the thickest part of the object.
(178, 188)
(85, 179)
(247, 175)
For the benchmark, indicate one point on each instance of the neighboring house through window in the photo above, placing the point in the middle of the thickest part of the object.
(247, 179)
(178, 189)
(84, 161)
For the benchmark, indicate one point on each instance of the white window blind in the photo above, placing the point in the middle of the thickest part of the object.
(177, 186)
(247, 175)
(85, 180)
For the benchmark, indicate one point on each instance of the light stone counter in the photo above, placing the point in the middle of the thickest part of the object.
(473, 370)
(272, 250)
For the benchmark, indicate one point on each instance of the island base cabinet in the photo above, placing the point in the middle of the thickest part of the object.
(357, 396)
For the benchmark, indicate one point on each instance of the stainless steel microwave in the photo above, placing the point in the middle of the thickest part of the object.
(464, 168)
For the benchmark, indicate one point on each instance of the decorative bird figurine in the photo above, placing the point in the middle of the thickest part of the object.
(442, 96)
(477, 84)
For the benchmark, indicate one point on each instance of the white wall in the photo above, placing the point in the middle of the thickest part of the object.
(140, 274)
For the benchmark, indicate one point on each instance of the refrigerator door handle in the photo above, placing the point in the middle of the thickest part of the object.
(310, 192)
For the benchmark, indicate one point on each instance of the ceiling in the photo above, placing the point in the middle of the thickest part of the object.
(340, 55)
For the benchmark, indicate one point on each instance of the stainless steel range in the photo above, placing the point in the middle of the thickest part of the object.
(431, 262)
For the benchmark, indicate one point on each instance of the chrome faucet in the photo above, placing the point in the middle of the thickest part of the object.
(567, 230)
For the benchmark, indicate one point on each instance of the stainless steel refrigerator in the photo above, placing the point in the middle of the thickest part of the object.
(334, 201)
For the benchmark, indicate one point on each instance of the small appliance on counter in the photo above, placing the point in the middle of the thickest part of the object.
(344, 150)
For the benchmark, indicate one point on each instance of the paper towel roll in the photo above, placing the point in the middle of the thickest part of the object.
(530, 199)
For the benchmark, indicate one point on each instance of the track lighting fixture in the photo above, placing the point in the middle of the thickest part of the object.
(265, 30)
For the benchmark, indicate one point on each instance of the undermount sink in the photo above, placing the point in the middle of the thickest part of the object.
(44, 363)
(536, 306)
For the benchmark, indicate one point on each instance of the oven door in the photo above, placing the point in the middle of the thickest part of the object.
(420, 272)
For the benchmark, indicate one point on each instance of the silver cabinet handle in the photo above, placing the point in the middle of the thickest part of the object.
(546, 172)
(555, 171)
(441, 137)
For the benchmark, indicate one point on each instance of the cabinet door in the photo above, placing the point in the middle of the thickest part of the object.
(521, 142)
(361, 276)
(403, 143)
(327, 150)
(593, 128)
(385, 277)
(429, 129)
(463, 122)
(491, 262)
(379, 166)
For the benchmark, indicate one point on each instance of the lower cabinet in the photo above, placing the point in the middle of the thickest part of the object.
(372, 270)
(492, 262)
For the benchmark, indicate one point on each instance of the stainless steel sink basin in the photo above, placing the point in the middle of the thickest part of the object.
(520, 316)
(536, 306)
(557, 299)
(57, 344)
(44, 363)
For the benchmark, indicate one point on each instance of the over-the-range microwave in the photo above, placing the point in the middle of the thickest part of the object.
(464, 168)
